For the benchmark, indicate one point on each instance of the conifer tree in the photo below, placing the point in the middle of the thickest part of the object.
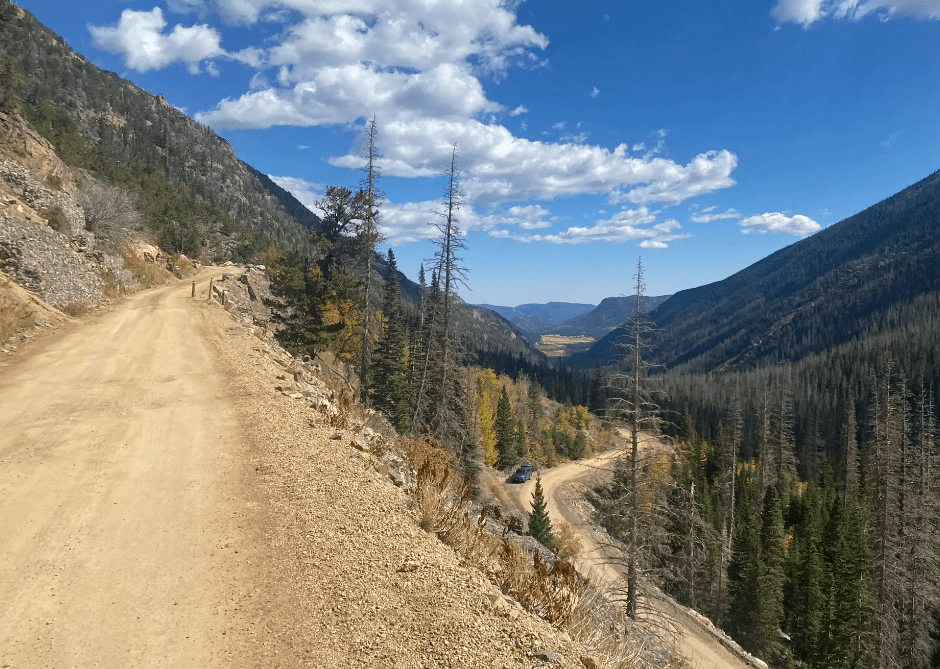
(848, 635)
(772, 577)
(540, 526)
(744, 573)
(636, 407)
(391, 390)
(595, 397)
(505, 439)
(809, 607)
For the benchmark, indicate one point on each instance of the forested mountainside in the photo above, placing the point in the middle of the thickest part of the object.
(820, 292)
(196, 196)
(121, 133)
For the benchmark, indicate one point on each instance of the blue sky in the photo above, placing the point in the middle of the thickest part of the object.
(700, 135)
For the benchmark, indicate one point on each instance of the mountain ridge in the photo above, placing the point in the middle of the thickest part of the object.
(817, 293)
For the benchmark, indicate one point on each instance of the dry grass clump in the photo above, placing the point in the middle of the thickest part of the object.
(602, 626)
(75, 309)
(566, 540)
(551, 593)
(443, 503)
(148, 274)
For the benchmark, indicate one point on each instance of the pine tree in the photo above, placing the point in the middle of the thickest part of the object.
(772, 577)
(888, 437)
(850, 601)
(505, 439)
(441, 406)
(391, 390)
(595, 397)
(809, 606)
(540, 526)
(744, 573)
(641, 414)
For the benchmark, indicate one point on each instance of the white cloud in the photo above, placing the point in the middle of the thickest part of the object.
(807, 12)
(340, 95)
(419, 67)
(306, 192)
(804, 12)
(595, 92)
(577, 138)
(624, 226)
(499, 167)
(561, 125)
(139, 37)
(797, 225)
(705, 216)
(529, 217)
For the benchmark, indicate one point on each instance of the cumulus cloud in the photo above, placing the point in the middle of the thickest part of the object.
(140, 38)
(624, 226)
(499, 167)
(528, 217)
(807, 12)
(797, 225)
(706, 215)
(307, 193)
(419, 66)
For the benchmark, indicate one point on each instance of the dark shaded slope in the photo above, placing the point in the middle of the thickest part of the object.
(812, 295)
(610, 313)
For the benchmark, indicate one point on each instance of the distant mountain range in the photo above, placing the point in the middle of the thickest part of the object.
(572, 319)
(609, 314)
(846, 282)
(531, 317)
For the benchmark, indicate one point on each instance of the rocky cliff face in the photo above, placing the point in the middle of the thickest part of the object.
(44, 246)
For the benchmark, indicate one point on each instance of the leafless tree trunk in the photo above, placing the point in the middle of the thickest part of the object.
(368, 237)
(641, 414)
(441, 378)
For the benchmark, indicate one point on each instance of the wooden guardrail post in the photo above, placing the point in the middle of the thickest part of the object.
(209, 299)
(194, 289)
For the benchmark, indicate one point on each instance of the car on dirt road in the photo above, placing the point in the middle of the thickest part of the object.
(523, 474)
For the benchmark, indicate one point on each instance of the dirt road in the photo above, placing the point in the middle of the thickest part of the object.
(120, 504)
(700, 646)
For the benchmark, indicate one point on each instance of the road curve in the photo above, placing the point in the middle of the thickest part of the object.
(700, 646)
(118, 493)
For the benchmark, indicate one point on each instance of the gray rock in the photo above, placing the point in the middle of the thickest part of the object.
(547, 655)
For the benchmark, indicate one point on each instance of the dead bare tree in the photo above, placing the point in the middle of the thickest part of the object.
(368, 236)
(642, 415)
(110, 211)
(438, 391)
